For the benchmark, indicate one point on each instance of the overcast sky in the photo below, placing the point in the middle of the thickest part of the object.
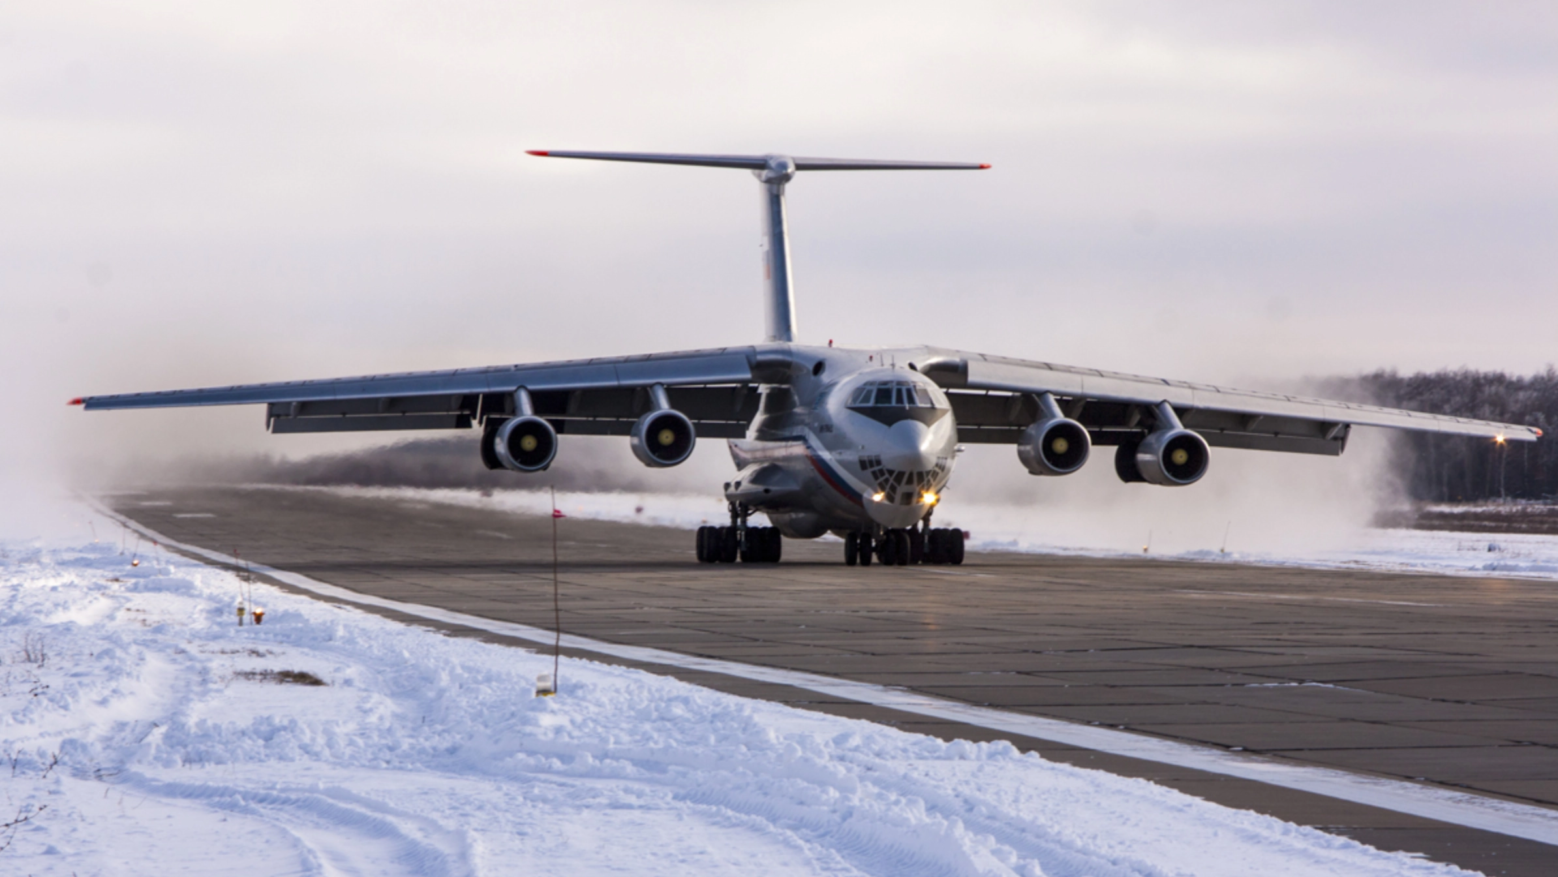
(203, 193)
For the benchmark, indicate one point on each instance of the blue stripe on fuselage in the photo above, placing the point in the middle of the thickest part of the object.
(831, 475)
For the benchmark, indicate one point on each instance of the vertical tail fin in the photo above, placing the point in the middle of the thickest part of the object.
(774, 172)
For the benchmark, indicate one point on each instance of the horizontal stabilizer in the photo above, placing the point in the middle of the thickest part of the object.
(760, 162)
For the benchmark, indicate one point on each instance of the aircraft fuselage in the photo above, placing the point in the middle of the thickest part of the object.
(853, 444)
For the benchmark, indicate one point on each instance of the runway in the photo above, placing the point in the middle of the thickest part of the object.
(1450, 681)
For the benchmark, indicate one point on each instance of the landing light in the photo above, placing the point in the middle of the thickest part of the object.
(878, 496)
(929, 497)
(1498, 439)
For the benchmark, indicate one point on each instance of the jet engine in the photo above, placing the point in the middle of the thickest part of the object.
(1170, 455)
(663, 437)
(1053, 445)
(525, 444)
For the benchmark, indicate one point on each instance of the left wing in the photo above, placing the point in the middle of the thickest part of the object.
(714, 388)
(993, 399)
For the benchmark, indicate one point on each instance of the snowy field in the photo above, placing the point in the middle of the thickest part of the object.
(146, 733)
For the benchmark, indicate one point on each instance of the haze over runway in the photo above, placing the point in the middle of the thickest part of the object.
(1247, 195)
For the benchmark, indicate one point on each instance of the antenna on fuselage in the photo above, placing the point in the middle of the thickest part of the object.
(773, 171)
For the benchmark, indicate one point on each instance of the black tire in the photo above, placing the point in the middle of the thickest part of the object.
(775, 545)
(751, 547)
(903, 549)
(955, 547)
(863, 545)
(851, 549)
(936, 546)
(729, 544)
(703, 544)
(916, 546)
(887, 548)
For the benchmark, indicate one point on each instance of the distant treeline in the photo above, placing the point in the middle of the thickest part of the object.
(1438, 468)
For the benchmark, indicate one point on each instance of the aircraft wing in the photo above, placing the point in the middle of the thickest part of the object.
(714, 388)
(993, 400)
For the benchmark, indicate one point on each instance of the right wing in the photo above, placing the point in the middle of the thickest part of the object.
(993, 399)
(716, 389)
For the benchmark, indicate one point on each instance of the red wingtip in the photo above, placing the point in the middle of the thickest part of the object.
(535, 152)
(77, 401)
(984, 167)
(1537, 431)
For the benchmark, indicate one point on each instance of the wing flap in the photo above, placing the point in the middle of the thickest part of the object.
(716, 411)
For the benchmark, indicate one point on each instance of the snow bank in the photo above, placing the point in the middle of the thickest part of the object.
(143, 738)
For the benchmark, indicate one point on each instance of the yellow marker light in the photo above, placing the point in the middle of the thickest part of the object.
(666, 437)
(929, 497)
(878, 496)
(528, 443)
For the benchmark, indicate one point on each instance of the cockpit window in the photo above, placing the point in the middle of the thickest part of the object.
(891, 394)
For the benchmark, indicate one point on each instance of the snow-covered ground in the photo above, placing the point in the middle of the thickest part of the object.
(144, 736)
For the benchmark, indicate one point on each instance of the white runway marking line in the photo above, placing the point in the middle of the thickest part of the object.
(1303, 597)
(1429, 802)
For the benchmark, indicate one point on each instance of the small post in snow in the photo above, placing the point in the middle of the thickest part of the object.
(546, 683)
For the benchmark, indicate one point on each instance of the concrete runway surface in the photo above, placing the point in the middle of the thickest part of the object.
(1451, 681)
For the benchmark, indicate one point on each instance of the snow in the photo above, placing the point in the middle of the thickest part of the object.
(137, 745)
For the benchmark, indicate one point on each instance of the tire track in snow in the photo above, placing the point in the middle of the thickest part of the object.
(344, 834)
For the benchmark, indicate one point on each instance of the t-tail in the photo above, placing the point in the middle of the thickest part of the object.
(773, 172)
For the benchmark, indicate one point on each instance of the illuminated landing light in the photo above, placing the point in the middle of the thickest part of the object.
(878, 496)
(1498, 440)
(929, 497)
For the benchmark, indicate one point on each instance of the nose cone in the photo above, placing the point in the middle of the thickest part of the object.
(908, 447)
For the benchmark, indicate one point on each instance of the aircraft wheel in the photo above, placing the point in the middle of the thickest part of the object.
(703, 544)
(890, 551)
(954, 546)
(775, 545)
(916, 545)
(729, 542)
(851, 549)
(863, 543)
(902, 547)
(936, 546)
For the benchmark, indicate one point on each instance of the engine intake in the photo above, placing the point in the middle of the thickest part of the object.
(525, 444)
(1055, 444)
(1171, 455)
(664, 437)
(1054, 447)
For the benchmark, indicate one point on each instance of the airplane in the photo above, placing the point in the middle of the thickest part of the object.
(859, 443)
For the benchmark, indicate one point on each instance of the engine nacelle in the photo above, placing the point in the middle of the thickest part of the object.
(663, 438)
(525, 444)
(1172, 457)
(1054, 446)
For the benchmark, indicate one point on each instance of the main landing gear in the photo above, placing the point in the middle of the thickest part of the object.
(750, 544)
(900, 547)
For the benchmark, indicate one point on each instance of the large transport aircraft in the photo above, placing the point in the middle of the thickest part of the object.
(860, 443)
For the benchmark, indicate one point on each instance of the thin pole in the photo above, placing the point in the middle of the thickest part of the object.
(557, 616)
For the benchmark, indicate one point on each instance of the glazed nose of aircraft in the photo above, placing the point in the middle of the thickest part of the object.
(908, 447)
